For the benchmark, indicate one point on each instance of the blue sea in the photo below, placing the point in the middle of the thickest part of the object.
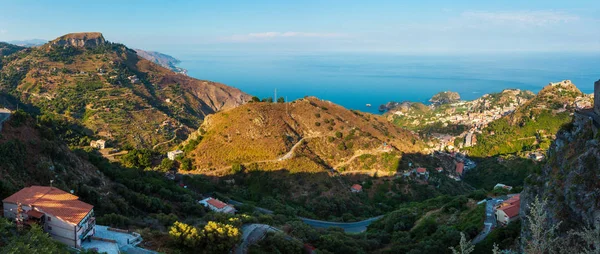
(354, 80)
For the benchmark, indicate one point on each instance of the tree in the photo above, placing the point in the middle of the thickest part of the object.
(280, 100)
(254, 99)
(166, 164)
(237, 168)
(33, 241)
(268, 99)
(465, 247)
(220, 238)
(184, 234)
(543, 235)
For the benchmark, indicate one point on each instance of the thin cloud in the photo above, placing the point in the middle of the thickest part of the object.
(3, 31)
(537, 18)
(276, 35)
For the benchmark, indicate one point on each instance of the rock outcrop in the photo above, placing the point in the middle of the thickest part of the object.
(570, 181)
(446, 97)
(79, 40)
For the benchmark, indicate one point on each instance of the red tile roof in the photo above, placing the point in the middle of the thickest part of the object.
(460, 167)
(216, 203)
(439, 169)
(511, 206)
(357, 187)
(421, 170)
(52, 201)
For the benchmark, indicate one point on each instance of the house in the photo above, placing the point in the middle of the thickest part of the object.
(173, 154)
(506, 187)
(60, 214)
(133, 79)
(356, 188)
(98, 144)
(508, 211)
(217, 205)
(537, 156)
(422, 171)
(460, 168)
(439, 169)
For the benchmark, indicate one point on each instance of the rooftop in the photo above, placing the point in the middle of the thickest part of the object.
(52, 201)
(216, 203)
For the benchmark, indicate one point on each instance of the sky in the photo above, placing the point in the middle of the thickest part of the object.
(420, 27)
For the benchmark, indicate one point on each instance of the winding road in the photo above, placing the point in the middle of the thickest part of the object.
(348, 227)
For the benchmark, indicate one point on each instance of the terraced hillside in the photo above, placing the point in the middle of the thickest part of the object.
(305, 135)
(112, 91)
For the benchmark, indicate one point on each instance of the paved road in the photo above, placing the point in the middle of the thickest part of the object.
(349, 227)
(490, 219)
(251, 234)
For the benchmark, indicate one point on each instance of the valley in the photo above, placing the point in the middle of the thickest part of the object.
(145, 145)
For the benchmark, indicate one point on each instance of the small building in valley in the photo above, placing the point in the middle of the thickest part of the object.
(60, 214)
(217, 205)
(503, 186)
(356, 188)
(98, 144)
(508, 211)
(422, 171)
(173, 154)
(439, 169)
(460, 168)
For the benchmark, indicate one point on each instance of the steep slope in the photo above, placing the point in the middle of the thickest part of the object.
(113, 92)
(8, 49)
(161, 59)
(532, 125)
(305, 135)
(33, 152)
(570, 180)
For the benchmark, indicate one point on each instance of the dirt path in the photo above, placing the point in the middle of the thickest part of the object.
(168, 141)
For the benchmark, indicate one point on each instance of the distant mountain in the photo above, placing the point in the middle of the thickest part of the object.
(29, 43)
(112, 91)
(163, 60)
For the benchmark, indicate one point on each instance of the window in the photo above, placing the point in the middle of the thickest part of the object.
(49, 218)
(49, 228)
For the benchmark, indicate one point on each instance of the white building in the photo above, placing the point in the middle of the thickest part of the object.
(508, 211)
(62, 215)
(217, 205)
(98, 144)
(173, 154)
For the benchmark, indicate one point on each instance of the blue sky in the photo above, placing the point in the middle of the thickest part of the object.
(315, 26)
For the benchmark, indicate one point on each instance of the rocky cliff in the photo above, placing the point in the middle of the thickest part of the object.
(570, 181)
(79, 40)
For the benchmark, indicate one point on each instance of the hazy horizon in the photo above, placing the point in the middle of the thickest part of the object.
(427, 27)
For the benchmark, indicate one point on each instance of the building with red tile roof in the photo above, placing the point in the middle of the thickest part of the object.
(356, 188)
(508, 211)
(217, 205)
(61, 214)
(421, 171)
(460, 168)
(439, 169)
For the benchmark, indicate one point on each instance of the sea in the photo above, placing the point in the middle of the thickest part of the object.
(355, 80)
